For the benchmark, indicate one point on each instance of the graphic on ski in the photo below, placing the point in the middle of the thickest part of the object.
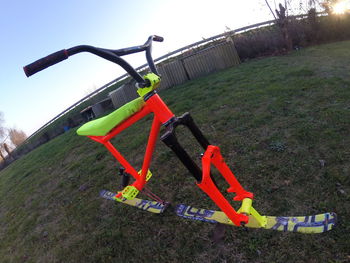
(304, 224)
(146, 205)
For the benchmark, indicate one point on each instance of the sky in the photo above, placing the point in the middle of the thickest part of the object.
(33, 29)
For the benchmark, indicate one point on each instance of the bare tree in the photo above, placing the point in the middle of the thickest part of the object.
(2, 135)
(282, 22)
(17, 136)
(268, 5)
(7, 149)
(2, 129)
(2, 157)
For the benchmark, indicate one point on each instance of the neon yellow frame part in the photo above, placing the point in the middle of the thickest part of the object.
(103, 125)
(130, 192)
(148, 175)
(254, 216)
(154, 80)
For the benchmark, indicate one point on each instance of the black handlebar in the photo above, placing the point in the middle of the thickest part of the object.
(158, 38)
(45, 62)
(108, 54)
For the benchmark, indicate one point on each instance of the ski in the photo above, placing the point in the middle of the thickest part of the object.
(304, 224)
(146, 205)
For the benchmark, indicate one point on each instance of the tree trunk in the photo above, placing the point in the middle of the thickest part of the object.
(1, 156)
(7, 149)
(282, 22)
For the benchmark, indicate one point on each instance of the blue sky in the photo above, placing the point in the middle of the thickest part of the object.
(33, 29)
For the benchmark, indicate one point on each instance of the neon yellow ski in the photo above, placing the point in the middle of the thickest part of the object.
(146, 205)
(304, 224)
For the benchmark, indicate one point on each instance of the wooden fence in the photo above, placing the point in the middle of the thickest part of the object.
(211, 60)
(124, 94)
(176, 72)
(173, 73)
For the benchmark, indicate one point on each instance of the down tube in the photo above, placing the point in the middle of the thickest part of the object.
(153, 136)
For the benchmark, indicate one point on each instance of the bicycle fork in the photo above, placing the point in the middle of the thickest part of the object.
(211, 156)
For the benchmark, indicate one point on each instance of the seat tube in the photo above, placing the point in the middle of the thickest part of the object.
(153, 136)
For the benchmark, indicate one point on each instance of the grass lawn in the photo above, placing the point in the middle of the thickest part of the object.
(283, 125)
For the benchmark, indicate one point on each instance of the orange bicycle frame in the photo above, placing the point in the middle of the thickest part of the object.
(163, 116)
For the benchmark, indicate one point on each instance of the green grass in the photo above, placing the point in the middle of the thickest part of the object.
(274, 119)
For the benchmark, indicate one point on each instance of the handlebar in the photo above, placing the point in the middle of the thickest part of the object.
(108, 54)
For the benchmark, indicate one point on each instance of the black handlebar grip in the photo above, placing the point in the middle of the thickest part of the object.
(158, 38)
(45, 62)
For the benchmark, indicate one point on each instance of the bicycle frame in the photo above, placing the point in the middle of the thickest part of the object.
(212, 156)
(162, 115)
